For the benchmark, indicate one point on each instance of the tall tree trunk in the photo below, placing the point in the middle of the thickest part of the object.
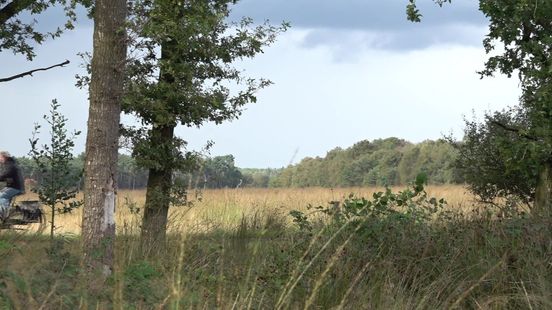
(159, 185)
(102, 143)
(543, 192)
(154, 222)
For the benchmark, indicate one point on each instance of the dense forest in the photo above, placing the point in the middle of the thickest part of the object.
(390, 161)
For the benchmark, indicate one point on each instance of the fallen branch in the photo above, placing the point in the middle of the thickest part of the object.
(17, 76)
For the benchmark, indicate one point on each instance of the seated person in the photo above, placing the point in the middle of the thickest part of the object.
(11, 175)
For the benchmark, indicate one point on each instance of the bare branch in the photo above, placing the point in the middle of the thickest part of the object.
(515, 130)
(17, 76)
(13, 8)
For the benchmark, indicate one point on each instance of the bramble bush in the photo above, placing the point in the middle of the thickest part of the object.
(411, 205)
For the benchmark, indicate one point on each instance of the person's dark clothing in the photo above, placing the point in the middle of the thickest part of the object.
(11, 174)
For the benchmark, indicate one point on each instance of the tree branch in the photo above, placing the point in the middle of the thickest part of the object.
(17, 76)
(515, 130)
(13, 8)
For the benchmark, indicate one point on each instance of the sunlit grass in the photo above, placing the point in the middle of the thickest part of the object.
(224, 208)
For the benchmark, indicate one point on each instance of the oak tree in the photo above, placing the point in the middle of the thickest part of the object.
(181, 75)
(522, 31)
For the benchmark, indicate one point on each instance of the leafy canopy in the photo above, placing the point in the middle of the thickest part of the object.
(19, 33)
(181, 71)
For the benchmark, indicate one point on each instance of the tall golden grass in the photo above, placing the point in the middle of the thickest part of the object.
(224, 208)
(234, 249)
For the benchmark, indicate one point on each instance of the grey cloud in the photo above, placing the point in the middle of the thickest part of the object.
(373, 15)
(379, 24)
(358, 14)
(402, 39)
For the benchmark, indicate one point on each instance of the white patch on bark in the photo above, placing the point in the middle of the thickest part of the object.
(106, 270)
(109, 210)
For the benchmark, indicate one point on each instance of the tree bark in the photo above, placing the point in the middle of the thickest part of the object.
(159, 185)
(102, 143)
(154, 222)
(543, 191)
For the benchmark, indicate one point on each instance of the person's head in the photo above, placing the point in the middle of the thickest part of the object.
(4, 156)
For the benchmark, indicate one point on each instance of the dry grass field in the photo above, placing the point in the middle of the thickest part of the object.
(224, 208)
(239, 249)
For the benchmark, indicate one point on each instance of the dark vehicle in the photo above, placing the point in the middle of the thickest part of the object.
(23, 213)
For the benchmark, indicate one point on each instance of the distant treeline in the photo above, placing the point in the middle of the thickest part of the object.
(130, 175)
(216, 172)
(390, 161)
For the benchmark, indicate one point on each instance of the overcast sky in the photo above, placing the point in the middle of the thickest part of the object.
(346, 71)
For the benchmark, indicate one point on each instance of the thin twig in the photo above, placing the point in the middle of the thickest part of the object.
(20, 75)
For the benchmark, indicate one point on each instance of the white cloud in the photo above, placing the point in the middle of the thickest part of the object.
(316, 104)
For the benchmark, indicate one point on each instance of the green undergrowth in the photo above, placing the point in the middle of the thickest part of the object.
(358, 253)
